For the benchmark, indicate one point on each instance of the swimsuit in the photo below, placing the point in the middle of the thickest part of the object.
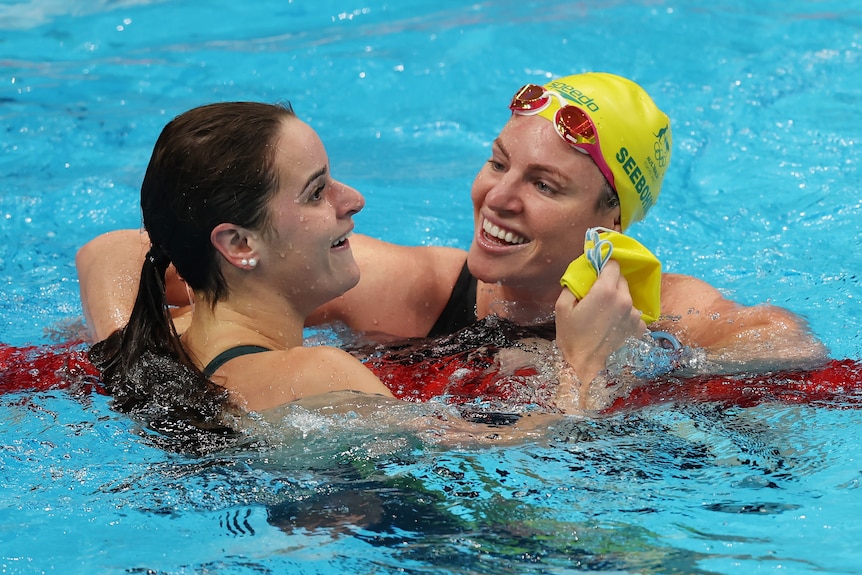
(460, 310)
(460, 373)
(230, 354)
(462, 366)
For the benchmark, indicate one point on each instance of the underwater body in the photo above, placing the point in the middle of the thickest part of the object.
(762, 200)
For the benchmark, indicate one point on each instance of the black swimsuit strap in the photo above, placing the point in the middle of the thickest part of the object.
(230, 354)
(460, 310)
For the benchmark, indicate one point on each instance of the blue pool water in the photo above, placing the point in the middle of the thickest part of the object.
(762, 199)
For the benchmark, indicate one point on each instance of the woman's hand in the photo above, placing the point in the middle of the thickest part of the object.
(590, 330)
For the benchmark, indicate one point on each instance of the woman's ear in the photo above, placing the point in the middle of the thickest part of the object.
(232, 242)
(612, 219)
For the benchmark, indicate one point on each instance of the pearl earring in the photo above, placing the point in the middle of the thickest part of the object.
(243, 262)
(252, 263)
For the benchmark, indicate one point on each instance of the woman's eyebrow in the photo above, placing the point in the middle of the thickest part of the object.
(500, 145)
(321, 172)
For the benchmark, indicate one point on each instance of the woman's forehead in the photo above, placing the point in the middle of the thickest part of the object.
(298, 151)
(533, 142)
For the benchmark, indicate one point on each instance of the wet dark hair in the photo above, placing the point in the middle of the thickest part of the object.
(210, 165)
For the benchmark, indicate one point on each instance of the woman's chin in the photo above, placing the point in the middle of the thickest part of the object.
(350, 278)
(490, 269)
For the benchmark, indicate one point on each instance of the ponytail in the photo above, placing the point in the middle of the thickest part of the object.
(145, 367)
(150, 325)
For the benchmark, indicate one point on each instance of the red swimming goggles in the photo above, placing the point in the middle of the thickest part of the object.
(572, 123)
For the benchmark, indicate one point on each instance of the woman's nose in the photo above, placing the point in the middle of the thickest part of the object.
(349, 200)
(504, 195)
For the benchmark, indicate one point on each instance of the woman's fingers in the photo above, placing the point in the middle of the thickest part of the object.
(589, 330)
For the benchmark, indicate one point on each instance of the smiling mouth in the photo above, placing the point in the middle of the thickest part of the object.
(341, 240)
(502, 235)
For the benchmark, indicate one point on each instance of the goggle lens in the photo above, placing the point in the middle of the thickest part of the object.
(575, 126)
(530, 97)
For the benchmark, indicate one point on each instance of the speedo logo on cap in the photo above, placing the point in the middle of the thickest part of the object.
(574, 95)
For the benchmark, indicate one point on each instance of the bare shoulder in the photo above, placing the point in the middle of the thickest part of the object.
(681, 294)
(675, 282)
(265, 380)
(690, 308)
(109, 272)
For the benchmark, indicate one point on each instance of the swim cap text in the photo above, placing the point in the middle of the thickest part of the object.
(636, 176)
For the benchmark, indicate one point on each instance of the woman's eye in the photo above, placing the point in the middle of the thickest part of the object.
(495, 165)
(317, 194)
(544, 188)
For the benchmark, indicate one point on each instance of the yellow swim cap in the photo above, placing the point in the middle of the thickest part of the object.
(640, 267)
(633, 135)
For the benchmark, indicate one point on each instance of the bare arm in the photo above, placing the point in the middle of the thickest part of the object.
(401, 290)
(735, 336)
(109, 271)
